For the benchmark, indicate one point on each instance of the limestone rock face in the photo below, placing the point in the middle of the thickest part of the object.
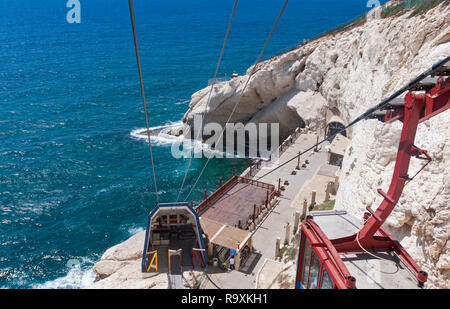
(270, 85)
(130, 277)
(120, 268)
(131, 249)
(351, 71)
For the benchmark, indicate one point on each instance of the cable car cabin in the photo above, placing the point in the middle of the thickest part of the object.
(173, 232)
(317, 270)
(340, 251)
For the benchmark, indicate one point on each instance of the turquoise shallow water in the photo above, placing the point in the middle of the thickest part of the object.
(73, 181)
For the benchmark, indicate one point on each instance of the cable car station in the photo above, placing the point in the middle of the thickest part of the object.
(338, 250)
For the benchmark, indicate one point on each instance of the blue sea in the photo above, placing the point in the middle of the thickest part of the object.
(74, 180)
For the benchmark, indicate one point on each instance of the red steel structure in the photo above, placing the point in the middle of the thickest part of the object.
(420, 104)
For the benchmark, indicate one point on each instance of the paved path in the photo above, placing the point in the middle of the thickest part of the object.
(176, 281)
(272, 226)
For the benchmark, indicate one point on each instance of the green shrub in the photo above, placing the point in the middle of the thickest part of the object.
(326, 205)
(394, 10)
(417, 6)
(425, 5)
(282, 251)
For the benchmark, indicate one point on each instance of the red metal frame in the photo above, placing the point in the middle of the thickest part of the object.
(196, 257)
(418, 107)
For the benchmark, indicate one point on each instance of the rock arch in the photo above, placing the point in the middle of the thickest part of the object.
(334, 125)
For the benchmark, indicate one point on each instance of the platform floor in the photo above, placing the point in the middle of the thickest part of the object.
(185, 244)
(236, 204)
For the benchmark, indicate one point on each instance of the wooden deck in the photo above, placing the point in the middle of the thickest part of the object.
(234, 202)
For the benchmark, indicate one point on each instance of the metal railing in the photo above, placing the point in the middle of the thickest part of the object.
(209, 200)
(255, 168)
(153, 259)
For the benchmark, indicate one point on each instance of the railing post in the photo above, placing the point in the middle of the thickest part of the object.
(206, 194)
(277, 247)
(288, 234)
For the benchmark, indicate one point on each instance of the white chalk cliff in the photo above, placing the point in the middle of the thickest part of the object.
(347, 71)
(352, 71)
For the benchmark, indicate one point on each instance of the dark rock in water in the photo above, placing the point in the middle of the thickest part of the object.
(175, 130)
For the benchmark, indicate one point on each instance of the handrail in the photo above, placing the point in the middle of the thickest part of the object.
(199, 209)
(155, 258)
(255, 168)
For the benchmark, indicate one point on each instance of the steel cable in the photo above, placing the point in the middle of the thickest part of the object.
(252, 72)
(136, 46)
(210, 91)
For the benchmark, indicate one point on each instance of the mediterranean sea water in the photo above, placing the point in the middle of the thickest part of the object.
(73, 179)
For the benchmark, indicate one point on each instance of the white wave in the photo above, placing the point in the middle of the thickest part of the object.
(134, 230)
(184, 102)
(159, 134)
(80, 275)
(165, 139)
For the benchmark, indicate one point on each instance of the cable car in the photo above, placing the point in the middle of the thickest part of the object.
(371, 257)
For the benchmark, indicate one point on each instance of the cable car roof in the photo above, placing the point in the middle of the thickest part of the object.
(370, 272)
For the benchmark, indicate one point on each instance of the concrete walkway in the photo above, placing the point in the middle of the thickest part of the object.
(273, 225)
(318, 183)
(176, 281)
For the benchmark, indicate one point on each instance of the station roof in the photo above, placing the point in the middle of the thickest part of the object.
(370, 272)
(224, 235)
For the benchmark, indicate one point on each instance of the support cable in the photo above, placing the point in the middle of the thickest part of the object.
(133, 24)
(210, 91)
(435, 68)
(252, 72)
